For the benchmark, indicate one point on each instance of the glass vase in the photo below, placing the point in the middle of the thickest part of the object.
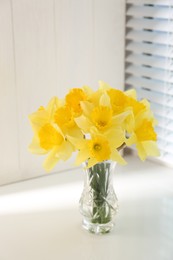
(98, 203)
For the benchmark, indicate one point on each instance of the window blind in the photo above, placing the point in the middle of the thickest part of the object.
(149, 63)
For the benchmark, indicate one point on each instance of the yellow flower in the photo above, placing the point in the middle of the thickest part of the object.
(64, 118)
(58, 152)
(118, 100)
(145, 131)
(44, 115)
(96, 149)
(146, 113)
(145, 139)
(101, 117)
(73, 99)
(138, 110)
(96, 123)
(99, 148)
(95, 96)
(137, 106)
(51, 141)
(48, 137)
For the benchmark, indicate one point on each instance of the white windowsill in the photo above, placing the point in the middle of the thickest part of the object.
(39, 218)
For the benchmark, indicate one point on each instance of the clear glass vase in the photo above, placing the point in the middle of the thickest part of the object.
(98, 203)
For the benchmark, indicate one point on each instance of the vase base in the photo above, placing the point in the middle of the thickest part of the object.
(97, 228)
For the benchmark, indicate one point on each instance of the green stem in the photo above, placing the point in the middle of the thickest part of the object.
(100, 184)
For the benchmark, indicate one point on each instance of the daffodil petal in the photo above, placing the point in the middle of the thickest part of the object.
(116, 137)
(83, 123)
(78, 143)
(38, 119)
(141, 151)
(129, 123)
(118, 119)
(146, 103)
(75, 132)
(82, 156)
(103, 85)
(115, 156)
(87, 107)
(131, 140)
(105, 100)
(94, 131)
(35, 148)
(151, 148)
(65, 151)
(88, 91)
(52, 107)
(145, 114)
(131, 93)
(91, 162)
(51, 160)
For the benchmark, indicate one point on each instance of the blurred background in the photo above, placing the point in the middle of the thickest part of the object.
(46, 48)
(50, 46)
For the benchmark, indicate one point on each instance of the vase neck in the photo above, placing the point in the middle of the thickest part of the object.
(101, 172)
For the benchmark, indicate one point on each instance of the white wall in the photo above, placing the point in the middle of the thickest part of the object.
(47, 47)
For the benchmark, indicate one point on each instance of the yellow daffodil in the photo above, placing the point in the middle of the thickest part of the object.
(96, 123)
(136, 106)
(61, 152)
(146, 113)
(44, 114)
(145, 139)
(48, 137)
(73, 99)
(94, 97)
(51, 141)
(96, 149)
(64, 118)
(100, 117)
(118, 100)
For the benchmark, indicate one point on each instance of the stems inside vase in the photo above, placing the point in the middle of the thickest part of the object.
(99, 181)
(98, 202)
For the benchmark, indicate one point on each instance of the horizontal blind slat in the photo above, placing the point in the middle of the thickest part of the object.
(146, 36)
(150, 11)
(152, 61)
(150, 24)
(156, 2)
(165, 112)
(165, 134)
(155, 85)
(151, 73)
(154, 49)
(155, 97)
(166, 123)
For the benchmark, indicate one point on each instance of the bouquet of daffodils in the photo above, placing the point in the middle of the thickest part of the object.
(95, 124)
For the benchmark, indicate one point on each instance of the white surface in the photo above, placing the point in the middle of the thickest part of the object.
(39, 218)
(47, 47)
